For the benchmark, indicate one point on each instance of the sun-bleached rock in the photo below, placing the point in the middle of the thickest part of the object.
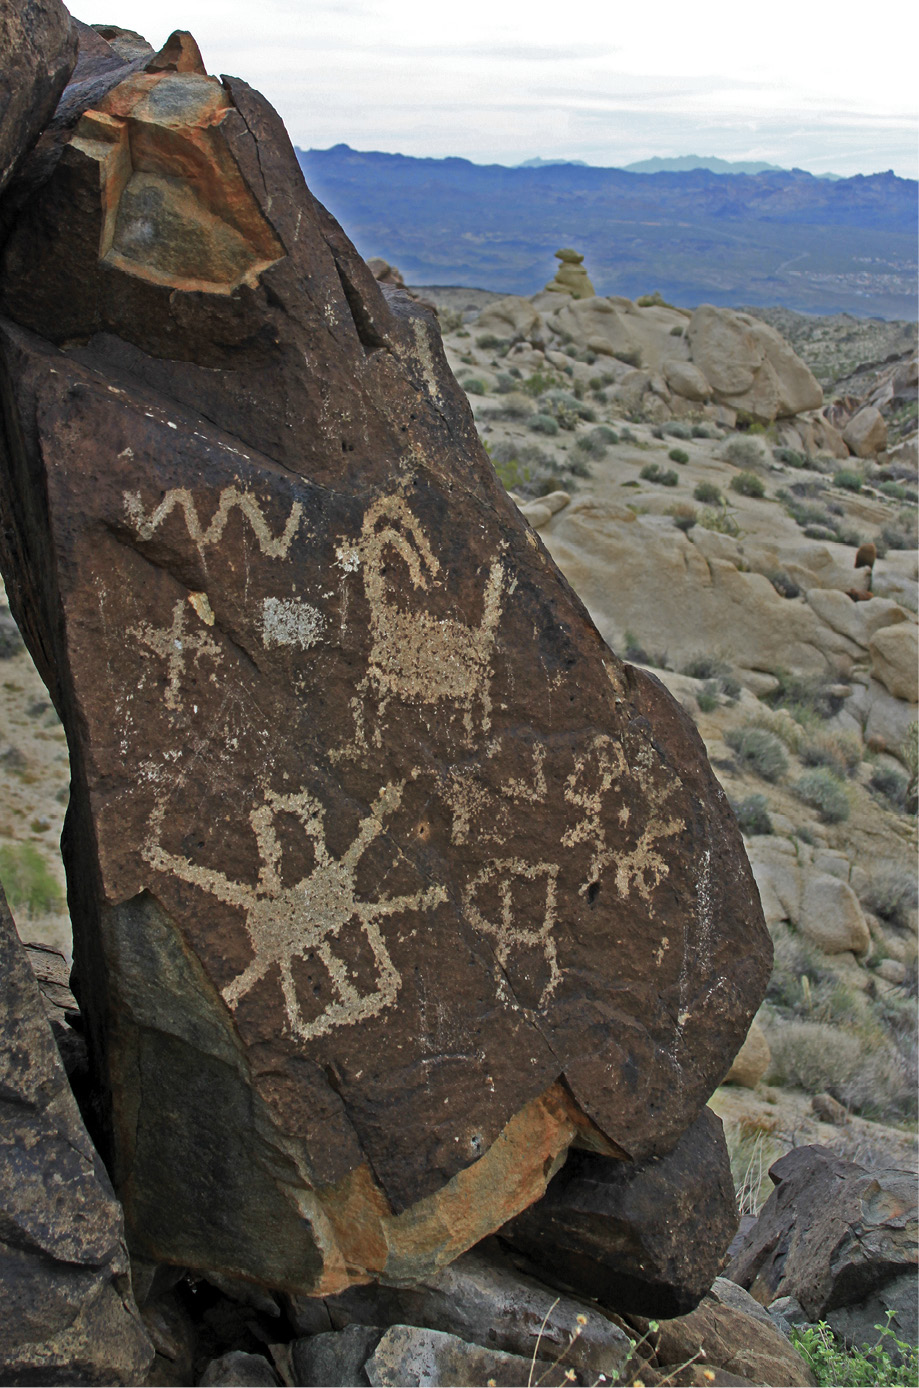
(512, 318)
(571, 277)
(752, 1060)
(894, 652)
(866, 432)
(749, 365)
(686, 379)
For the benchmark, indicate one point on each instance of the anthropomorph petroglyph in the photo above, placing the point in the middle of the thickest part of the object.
(305, 920)
(177, 646)
(595, 774)
(415, 655)
(512, 925)
(146, 523)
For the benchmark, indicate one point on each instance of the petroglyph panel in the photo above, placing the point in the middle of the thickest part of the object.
(147, 522)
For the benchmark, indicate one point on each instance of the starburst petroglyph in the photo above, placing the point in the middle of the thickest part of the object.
(288, 923)
(274, 546)
(594, 775)
(415, 655)
(176, 646)
(513, 928)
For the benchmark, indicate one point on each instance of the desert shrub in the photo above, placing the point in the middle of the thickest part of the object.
(707, 697)
(514, 405)
(543, 424)
(652, 472)
(676, 429)
(760, 750)
(890, 783)
(708, 494)
(720, 521)
(539, 383)
(783, 584)
(748, 484)
(566, 408)
(841, 753)
(504, 382)
(848, 480)
(825, 793)
(684, 516)
(891, 893)
(596, 442)
(790, 456)
(743, 453)
(702, 431)
(803, 695)
(676, 330)
(631, 356)
(490, 342)
(888, 1363)
(678, 455)
(752, 815)
(705, 666)
(28, 880)
(897, 492)
(900, 534)
(474, 385)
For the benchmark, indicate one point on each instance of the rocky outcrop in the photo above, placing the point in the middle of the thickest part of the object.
(68, 1311)
(512, 319)
(388, 879)
(571, 277)
(830, 1235)
(647, 1238)
(866, 432)
(750, 366)
(39, 47)
(751, 1061)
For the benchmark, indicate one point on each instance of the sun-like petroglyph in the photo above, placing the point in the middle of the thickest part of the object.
(176, 645)
(595, 774)
(305, 920)
(146, 523)
(511, 924)
(417, 656)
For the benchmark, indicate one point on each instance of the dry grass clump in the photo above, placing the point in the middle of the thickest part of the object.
(892, 893)
(861, 1068)
(759, 750)
(752, 1150)
(825, 793)
(839, 752)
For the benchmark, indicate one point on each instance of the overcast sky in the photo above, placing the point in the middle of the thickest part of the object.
(820, 86)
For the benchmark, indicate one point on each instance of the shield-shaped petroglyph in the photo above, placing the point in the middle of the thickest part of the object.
(510, 925)
(306, 920)
(416, 656)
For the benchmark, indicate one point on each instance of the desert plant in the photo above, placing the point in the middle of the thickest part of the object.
(652, 472)
(743, 452)
(703, 431)
(848, 480)
(28, 880)
(631, 356)
(678, 455)
(790, 456)
(748, 484)
(707, 697)
(817, 695)
(783, 584)
(752, 815)
(891, 893)
(676, 429)
(892, 784)
(708, 494)
(566, 408)
(539, 383)
(825, 793)
(596, 442)
(840, 752)
(514, 405)
(489, 342)
(889, 1363)
(543, 424)
(760, 750)
(474, 385)
(684, 516)
(722, 522)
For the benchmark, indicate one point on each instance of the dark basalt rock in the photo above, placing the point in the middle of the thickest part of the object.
(39, 49)
(387, 877)
(68, 1315)
(646, 1238)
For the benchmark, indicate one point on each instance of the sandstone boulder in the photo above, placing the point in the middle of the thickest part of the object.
(686, 379)
(39, 47)
(894, 652)
(830, 1234)
(68, 1311)
(388, 879)
(571, 277)
(866, 432)
(646, 1238)
(752, 1060)
(512, 318)
(750, 366)
(597, 323)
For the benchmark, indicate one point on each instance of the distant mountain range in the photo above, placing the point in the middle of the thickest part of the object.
(779, 237)
(684, 163)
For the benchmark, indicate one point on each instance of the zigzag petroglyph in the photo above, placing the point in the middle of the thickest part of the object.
(147, 523)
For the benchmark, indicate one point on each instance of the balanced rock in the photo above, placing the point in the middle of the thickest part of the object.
(388, 879)
(750, 366)
(39, 48)
(68, 1312)
(831, 1233)
(647, 1238)
(571, 277)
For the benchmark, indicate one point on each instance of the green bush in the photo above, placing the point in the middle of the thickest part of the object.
(889, 1363)
(790, 456)
(891, 893)
(748, 484)
(652, 472)
(849, 481)
(708, 494)
(743, 453)
(891, 784)
(676, 429)
(539, 383)
(28, 880)
(825, 793)
(684, 516)
(707, 697)
(760, 750)
(474, 385)
(752, 815)
(489, 342)
(597, 441)
(678, 455)
(543, 424)
(719, 521)
(631, 357)
(702, 431)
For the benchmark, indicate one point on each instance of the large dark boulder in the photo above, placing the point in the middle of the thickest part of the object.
(38, 50)
(67, 1314)
(646, 1237)
(388, 878)
(832, 1234)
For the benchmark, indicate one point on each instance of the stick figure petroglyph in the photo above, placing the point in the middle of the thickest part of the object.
(273, 546)
(513, 929)
(415, 655)
(288, 923)
(176, 646)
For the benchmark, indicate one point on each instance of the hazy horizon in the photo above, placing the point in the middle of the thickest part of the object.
(502, 84)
